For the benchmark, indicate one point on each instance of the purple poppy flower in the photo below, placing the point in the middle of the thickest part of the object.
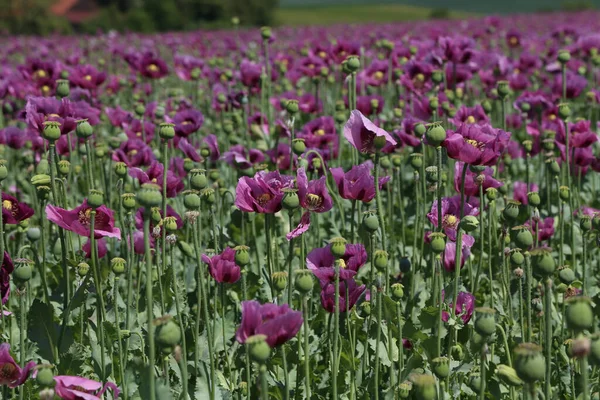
(321, 134)
(474, 180)
(77, 220)
(362, 133)
(155, 174)
(280, 156)
(520, 191)
(365, 104)
(262, 193)
(544, 229)
(139, 218)
(150, 66)
(101, 248)
(449, 254)
(307, 103)
(457, 50)
(12, 375)
(278, 323)
(406, 134)
(187, 122)
(470, 115)
(41, 109)
(313, 195)
(476, 145)
(239, 157)
(375, 74)
(87, 77)
(465, 304)
(575, 85)
(135, 130)
(349, 291)
(222, 267)
(77, 388)
(589, 211)
(451, 214)
(188, 150)
(118, 117)
(322, 263)
(210, 142)
(14, 211)
(185, 64)
(358, 183)
(580, 134)
(14, 137)
(134, 153)
(250, 75)
(7, 268)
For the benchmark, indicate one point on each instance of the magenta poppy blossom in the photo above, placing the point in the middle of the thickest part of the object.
(188, 150)
(87, 77)
(580, 134)
(77, 388)
(134, 153)
(368, 104)
(7, 269)
(136, 130)
(544, 229)
(575, 85)
(262, 193)
(280, 156)
(486, 179)
(13, 211)
(118, 117)
(361, 133)
(41, 109)
(210, 142)
(139, 217)
(150, 66)
(520, 191)
(465, 304)
(155, 174)
(449, 254)
(187, 121)
(321, 133)
(101, 248)
(475, 144)
(12, 375)
(241, 158)
(14, 137)
(185, 64)
(406, 134)
(278, 323)
(358, 183)
(322, 262)
(313, 195)
(349, 291)
(78, 220)
(470, 115)
(222, 267)
(451, 214)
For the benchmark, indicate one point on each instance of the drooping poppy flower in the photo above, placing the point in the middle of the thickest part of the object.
(475, 144)
(210, 142)
(349, 291)
(362, 133)
(262, 193)
(101, 248)
(278, 323)
(14, 211)
(78, 388)
(222, 267)
(358, 183)
(241, 158)
(12, 375)
(449, 254)
(473, 180)
(78, 220)
(451, 214)
(155, 174)
(465, 304)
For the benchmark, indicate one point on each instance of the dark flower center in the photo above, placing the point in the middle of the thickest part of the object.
(84, 216)
(475, 143)
(8, 371)
(264, 198)
(314, 201)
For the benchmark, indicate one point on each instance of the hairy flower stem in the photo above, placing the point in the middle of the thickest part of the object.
(178, 309)
(585, 394)
(400, 342)
(99, 293)
(269, 244)
(149, 305)
(264, 386)
(290, 287)
(379, 202)
(306, 348)
(483, 374)
(548, 339)
(529, 288)
(336, 332)
(163, 230)
(119, 339)
(378, 339)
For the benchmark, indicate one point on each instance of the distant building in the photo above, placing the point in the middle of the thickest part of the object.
(76, 11)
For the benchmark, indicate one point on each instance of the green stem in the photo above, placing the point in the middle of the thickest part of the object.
(528, 287)
(119, 340)
(178, 309)
(305, 335)
(483, 378)
(149, 305)
(379, 202)
(336, 330)
(264, 386)
(378, 340)
(548, 340)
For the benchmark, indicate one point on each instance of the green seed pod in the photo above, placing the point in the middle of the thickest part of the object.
(298, 146)
(43, 192)
(508, 375)
(84, 130)
(62, 88)
(279, 280)
(95, 198)
(543, 263)
(191, 200)
(503, 89)
(3, 170)
(469, 223)
(529, 362)
(290, 200)
(397, 291)
(437, 76)
(208, 196)
(259, 349)
(82, 269)
(34, 234)
(155, 215)
(511, 210)
(265, 32)
(304, 281)
(381, 259)
(516, 257)
(139, 110)
(416, 160)
(424, 386)
(128, 201)
(431, 174)
(485, 321)
(564, 111)
(534, 198)
(198, 179)
(457, 353)
(149, 196)
(242, 255)
(118, 265)
(188, 165)
(121, 169)
(566, 275)
(170, 224)
(352, 64)
(441, 367)
(337, 246)
(370, 221)
(51, 131)
(168, 333)
(292, 107)
(523, 237)
(585, 223)
(23, 270)
(491, 194)
(438, 242)
(564, 56)
(579, 314)
(595, 350)
(435, 133)
(564, 193)
(404, 389)
(553, 166)
(185, 248)
(45, 376)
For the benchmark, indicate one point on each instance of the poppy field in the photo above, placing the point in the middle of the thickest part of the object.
(400, 211)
